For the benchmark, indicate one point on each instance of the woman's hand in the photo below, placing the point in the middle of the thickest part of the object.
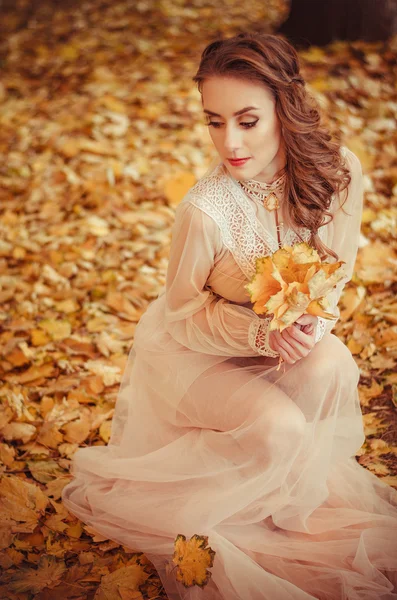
(296, 341)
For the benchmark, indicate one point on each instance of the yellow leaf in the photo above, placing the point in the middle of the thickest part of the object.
(315, 308)
(17, 358)
(263, 285)
(193, 559)
(281, 257)
(21, 501)
(44, 470)
(69, 147)
(275, 302)
(298, 273)
(38, 337)
(69, 52)
(7, 454)
(19, 253)
(31, 374)
(309, 273)
(297, 304)
(75, 531)
(314, 54)
(113, 104)
(77, 431)
(49, 435)
(367, 393)
(280, 311)
(105, 430)
(18, 431)
(303, 253)
(123, 306)
(368, 351)
(291, 281)
(376, 263)
(320, 84)
(352, 300)
(354, 347)
(67, 306)
(177, 187)
(321, 285)
(356, 145)
(127, 578)
(368, 215)
(58, 330)
(373, 424)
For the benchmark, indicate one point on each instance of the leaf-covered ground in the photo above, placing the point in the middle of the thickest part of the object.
(101, 134)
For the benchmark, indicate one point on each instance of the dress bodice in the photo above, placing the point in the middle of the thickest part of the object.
(246, 231)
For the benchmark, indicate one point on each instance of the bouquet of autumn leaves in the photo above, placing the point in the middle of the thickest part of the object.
(293, 281)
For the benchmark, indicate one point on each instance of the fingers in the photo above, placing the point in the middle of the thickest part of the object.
(292, 343)
(285, 349)
(301, 349)
(294, 333)
(306, 319)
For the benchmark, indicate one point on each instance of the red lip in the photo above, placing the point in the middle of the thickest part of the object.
(237, 162)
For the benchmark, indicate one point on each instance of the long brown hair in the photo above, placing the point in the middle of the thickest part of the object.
(315, 167)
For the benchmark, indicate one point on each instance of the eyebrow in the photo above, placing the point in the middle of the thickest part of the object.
(239, 112)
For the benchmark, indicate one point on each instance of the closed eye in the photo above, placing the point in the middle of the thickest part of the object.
(246, 125)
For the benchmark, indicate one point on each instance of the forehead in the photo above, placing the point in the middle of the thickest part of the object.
(226, 95)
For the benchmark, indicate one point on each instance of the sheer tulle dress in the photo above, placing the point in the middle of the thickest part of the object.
(209, 438)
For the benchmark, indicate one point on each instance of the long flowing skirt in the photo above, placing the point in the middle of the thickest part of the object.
(259, 460)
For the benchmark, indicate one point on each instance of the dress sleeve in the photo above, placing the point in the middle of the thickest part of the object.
(195, 316)
(346, 235)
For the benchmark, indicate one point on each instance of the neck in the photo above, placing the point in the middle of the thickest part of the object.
(274, 169)
(277, 182)
(269, 180)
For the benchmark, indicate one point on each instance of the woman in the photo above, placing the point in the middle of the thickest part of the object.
(208, 436)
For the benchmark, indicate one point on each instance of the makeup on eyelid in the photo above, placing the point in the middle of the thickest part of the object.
(247, 125)
(256, 141)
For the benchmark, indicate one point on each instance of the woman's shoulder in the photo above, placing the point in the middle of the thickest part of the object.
(351, 160)
(207, 190)
(210, 181)
(205, 205)
(353, 192)
(205, 194)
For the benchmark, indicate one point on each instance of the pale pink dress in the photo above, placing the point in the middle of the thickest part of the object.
(209, 438)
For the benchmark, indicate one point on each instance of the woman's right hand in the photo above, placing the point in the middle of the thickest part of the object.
(292, 345)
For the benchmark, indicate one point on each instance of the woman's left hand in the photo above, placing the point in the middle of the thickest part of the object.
(298, 339)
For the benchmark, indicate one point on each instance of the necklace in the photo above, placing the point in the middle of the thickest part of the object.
(267, 194)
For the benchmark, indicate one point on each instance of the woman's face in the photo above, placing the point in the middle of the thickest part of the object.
(253, 134)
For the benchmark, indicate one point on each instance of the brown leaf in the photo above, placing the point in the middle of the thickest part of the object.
(47, 575)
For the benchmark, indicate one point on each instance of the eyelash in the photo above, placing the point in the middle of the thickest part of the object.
(246, 125)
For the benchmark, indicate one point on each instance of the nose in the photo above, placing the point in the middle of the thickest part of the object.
(233, 139)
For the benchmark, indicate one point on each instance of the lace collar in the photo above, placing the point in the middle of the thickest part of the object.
(246, 202)
(253, 189)
(268, 195)
(261, 186)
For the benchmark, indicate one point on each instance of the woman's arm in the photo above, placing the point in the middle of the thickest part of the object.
(194, 316)
(346, 235)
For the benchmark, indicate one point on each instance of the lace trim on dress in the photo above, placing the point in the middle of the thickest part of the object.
(258, 337)
(259, 330)
(234, 213)
(321, 329)
(324, 325)
(237, 228)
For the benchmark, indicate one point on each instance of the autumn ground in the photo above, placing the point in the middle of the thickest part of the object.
(102, 134)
